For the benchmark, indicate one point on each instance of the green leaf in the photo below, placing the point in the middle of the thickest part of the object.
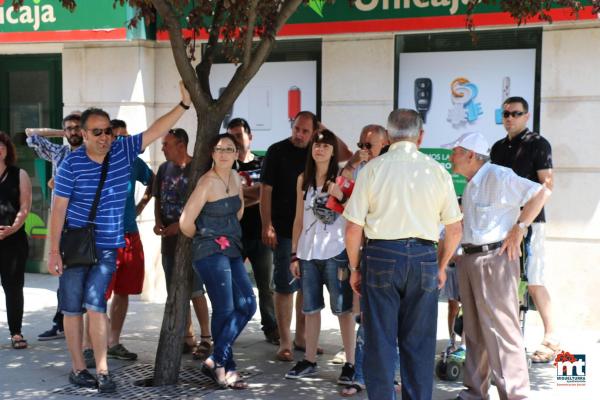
(317, 6)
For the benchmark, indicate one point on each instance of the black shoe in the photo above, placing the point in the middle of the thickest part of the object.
(82, 379)
(272, 337)
(52, 334)
(302, 369)
(347, 375)
(106, 384)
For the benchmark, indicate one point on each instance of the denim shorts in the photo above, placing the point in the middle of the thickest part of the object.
(168, 263)
(282, 275)
(334, 274)
(83, 287)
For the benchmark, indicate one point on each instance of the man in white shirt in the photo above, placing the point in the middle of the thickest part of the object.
(488, 272)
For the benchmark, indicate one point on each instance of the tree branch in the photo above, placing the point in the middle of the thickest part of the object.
(205, 65)
(249, 31)
(179, 48)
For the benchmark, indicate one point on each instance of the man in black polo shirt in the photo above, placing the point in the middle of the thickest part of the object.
(530, 156)
(260, 255)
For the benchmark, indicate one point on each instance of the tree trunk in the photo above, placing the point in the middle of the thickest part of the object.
(170, 344)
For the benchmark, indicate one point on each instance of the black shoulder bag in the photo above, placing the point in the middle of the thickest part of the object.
(78, 245)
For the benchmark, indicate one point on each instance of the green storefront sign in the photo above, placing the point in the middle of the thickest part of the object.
(443, 157)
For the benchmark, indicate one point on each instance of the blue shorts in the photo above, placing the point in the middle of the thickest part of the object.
(334, 274)
(282, 276)
(168, 264)
(83, 287)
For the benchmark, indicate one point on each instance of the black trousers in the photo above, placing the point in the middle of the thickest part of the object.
(13, 255)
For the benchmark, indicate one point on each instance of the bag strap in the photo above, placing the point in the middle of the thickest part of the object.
(103, 174)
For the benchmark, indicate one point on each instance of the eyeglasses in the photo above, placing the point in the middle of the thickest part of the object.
(513, 114)
(73, 128)
(364, 145)
(226, 150)
(98, 131)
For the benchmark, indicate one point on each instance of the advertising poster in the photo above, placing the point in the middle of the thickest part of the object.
(272, 98)
(462, 91)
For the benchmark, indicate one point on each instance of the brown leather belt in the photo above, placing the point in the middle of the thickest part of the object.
(482, 248)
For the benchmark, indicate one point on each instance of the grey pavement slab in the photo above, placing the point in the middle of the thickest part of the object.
(40, 372)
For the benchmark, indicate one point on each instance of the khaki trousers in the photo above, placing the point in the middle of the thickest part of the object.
(488, 286)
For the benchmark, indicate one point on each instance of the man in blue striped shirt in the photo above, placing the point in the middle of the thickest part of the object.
(75, 186)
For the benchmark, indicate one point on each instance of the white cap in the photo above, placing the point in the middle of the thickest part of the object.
(473, 141)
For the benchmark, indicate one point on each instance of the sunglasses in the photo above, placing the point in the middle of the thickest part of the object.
(513, 114)
(226, 150)
(364, 145)
(98, 131)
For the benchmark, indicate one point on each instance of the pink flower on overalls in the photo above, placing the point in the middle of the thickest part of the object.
(223, 242)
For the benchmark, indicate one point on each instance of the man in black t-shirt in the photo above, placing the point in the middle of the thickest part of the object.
(530, 156)
(284, 161)
(261, 257)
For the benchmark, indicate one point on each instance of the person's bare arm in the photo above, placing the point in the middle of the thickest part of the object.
(191, 210)
(57, 220)
(447, 248)
(353, 240)
(240, 212)
(158, 222)
(161, 126)
(45, 132)
(546, 177)
(269, 236)
(251, 195)
(145, 198)
(298, 223)
(512, 242)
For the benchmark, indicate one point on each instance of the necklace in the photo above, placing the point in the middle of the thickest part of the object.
(222, 180)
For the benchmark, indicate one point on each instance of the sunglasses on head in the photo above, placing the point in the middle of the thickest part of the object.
(513, 114)
(364, 145)
(99, 131)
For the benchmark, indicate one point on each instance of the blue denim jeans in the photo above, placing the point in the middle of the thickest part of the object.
(233, 302)
(85, 287)
(281, 267)
(334, 274)
(399, 285)
(359, 354)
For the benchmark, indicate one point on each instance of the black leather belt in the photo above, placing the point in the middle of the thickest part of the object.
(424, 242)
(480, 249)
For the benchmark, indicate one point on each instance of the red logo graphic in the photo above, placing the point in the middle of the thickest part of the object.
(564, 356)
(223, 242)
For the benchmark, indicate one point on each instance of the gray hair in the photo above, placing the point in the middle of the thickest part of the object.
(380, 130)
(404, 123)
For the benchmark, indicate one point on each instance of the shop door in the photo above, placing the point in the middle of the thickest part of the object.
(31, 96)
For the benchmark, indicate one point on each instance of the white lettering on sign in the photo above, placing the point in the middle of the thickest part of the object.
(27, 15)
(370, 5)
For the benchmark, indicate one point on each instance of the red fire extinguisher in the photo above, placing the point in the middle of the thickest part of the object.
(294, 102)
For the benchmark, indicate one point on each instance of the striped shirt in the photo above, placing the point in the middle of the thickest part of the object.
(46, 150)
(77, 179)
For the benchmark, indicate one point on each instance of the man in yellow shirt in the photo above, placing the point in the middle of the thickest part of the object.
(399, 201)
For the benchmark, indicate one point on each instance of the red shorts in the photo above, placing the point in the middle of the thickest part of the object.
(129, 277)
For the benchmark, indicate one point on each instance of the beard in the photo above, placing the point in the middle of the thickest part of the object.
(75, 140)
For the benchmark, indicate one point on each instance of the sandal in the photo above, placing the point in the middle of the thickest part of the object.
(303, 349)
(211, 372)
(285, 355)
(545, 353)
(18, 342)
(351, 390)
(238, 383)
(203, 349)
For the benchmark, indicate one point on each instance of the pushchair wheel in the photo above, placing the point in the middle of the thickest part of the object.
(452, 371)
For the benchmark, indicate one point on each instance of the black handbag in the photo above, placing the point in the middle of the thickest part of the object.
(78, 245)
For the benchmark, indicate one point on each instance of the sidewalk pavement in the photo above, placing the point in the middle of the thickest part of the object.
(41, 370)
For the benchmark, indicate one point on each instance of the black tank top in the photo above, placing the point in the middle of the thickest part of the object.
(10, 196)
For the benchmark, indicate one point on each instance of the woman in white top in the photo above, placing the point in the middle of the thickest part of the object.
(319, 255)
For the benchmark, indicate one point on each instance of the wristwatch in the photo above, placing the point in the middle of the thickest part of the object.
(354, 269)
(522, 225)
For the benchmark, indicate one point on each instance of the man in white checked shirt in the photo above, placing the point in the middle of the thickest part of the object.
(488, 272)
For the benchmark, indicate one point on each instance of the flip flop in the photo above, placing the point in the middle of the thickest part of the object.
(202, 351)
(238, 384)
(303, 349)
(18, 344)
(545, 353)
(211, 372)
(285, 355)
(351, 390)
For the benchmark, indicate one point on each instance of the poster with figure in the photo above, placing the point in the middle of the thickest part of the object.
(462, 91)
(278, 90)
